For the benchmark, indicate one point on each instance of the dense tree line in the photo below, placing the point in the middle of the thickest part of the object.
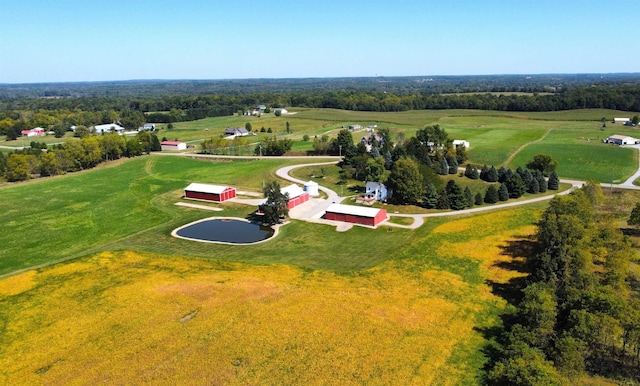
(19, 113)
(74, 155)
(397, 85)
(578, 312)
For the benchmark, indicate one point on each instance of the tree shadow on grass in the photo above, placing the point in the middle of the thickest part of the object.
(518, 250)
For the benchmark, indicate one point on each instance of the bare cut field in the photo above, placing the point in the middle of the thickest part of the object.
(130, 317)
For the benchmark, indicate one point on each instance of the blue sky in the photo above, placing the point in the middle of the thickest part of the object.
(70, 40)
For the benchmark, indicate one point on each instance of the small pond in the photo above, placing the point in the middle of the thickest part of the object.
(225, 230)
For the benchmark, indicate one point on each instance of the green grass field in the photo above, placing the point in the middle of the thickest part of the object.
(495, 136)
(57, 218)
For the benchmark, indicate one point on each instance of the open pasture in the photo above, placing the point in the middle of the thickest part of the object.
(57, 218)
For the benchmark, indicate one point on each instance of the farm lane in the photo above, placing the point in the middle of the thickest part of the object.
(518, 150)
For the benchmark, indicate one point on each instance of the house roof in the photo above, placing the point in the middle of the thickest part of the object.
(310, 183)
(292, 190)
(621, 137)
(353, 210)
(206, 188)
(374, 185)
(171, 143)
(108, 126)
(233, 130)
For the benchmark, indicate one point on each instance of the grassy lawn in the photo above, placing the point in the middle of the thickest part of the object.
(56, 218)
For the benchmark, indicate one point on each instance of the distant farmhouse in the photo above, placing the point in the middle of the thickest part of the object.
(236, 131)
(354, 127)
(108, 128)
(147, 127)
(173, 145)
(258, 110)
(33, 132)
(621, 120)
(370, 139)
(621, 140)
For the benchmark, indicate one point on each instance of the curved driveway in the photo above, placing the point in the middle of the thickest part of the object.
(314, 209)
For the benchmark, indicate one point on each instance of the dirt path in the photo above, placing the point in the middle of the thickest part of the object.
(515, 153)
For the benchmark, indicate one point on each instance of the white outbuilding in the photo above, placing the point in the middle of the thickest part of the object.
(460, 142)
(311, 187)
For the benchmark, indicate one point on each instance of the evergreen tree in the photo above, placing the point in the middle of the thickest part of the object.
(503, 192)
(455, 195)
(483, 172)
(474, 175)
(444, 167)
(471, 171)
(516, 186)
(491, 195)
(533, 187)
(468, 197)
(453, 165)
(527, 177)
(492, 174)
(443, 200)
(479, 199)
(430, 200)
(554, 181)
(375, 153)
(502, 174)
(542, 182)
(388, 160)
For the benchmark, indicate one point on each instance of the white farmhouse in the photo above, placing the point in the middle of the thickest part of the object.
(108, 128)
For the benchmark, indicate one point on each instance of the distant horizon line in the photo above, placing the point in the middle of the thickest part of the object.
(308, 77)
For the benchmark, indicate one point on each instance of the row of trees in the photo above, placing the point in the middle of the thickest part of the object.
(74, 155)
(578, 312)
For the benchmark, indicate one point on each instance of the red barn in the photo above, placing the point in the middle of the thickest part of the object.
(355, 214)
(296, 194)
(207, 192)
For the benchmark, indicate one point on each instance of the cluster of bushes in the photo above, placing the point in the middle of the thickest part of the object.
(578, 311)
(74, 155)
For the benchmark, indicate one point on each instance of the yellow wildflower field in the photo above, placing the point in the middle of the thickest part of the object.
(130, 318)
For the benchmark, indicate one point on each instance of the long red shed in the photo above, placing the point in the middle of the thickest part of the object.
(208, 192)
(355, 214)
